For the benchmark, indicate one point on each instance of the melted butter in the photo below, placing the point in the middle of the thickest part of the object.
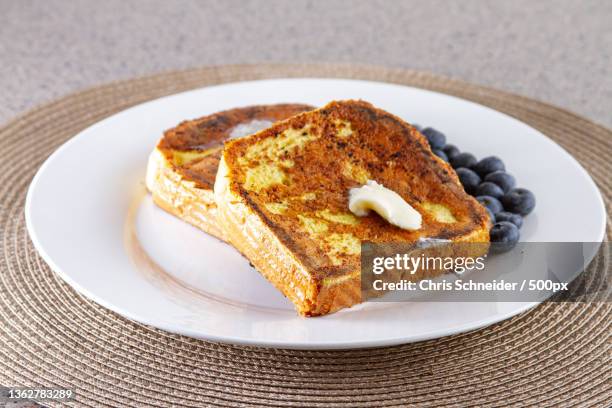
(245, 129)
(387, 203)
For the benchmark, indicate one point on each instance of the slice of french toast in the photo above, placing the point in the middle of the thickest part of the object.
(182, 167)
(282, 196)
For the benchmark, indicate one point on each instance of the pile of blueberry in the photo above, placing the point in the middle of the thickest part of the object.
(487, 180)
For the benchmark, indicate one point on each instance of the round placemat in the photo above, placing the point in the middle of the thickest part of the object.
(557, 354)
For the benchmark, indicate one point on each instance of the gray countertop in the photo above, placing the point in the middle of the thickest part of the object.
(556, 51)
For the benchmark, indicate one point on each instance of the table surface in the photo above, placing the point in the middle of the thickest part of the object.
(555, 51)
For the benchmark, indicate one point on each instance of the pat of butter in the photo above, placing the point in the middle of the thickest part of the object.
(387, 203)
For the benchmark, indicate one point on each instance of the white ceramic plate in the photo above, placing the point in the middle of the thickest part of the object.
(89, 219)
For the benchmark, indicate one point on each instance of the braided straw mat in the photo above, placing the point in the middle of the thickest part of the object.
(558, 354)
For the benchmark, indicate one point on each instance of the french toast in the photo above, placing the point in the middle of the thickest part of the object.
(182, 167)
(282, 197)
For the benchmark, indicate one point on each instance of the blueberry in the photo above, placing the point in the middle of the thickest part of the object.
(491, 203)
(519, 201)
(469, 179)
(488, 165)
(510, 217)
(501, 178)
(436, 139)
(463, 160)
(489, 189)
(491, 215)
(441, 155)
(451, 150)
(504, 235)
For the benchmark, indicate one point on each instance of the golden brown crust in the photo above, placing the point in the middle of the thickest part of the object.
(208, 133)
(325, 153)
(184, 187)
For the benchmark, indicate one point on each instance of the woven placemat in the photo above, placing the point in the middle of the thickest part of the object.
(558, 354)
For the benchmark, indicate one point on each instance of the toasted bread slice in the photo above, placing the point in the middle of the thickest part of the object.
(182, 167)
(282, 196)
